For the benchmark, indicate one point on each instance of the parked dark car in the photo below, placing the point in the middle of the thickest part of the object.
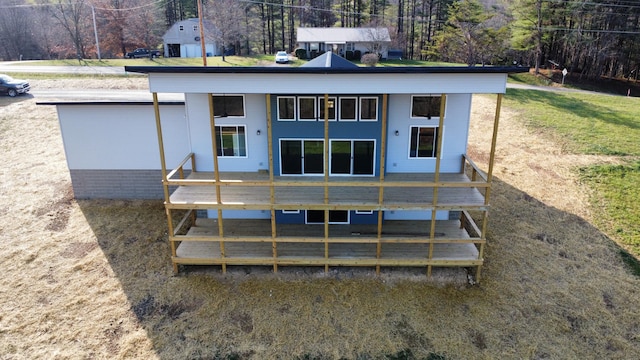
(13, 87)
(141, 53)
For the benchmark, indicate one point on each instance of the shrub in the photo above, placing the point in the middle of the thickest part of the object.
(349, 55)
(370, 59)
(301, 53)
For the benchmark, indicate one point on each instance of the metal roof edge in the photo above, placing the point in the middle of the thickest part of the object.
(107, 102)
(321, 70)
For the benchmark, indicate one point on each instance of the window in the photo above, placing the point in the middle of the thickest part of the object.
(301, 157)
(231, 141)
(306, 108)
(369, 109)
(423, 142)
(332, 108)
(364, 212)
(425, 106)
(291, 211)
(352, 157)
(181, 27)
(286, 108)
(195, 27)
(348, 109)
(335, 217)
(228, 105)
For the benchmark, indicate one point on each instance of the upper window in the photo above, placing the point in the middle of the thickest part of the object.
(286, 108)
(423, 142)
(181, 27)
(332, 108)
(228, 105)
(306, 108)
(348, 108)
(231, 141)
(195, 27)
(425, 106)
(368, 108)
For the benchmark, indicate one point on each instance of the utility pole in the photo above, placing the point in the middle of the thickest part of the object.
(202, 42)
(95, 31)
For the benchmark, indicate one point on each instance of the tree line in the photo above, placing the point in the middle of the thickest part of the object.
(590, 37)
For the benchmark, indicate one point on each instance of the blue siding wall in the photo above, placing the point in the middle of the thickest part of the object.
(343, 130)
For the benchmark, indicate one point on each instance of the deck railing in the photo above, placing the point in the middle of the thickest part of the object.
(221, 236)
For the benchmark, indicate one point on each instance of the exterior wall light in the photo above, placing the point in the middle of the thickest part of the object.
(258, 132)
(397, 133)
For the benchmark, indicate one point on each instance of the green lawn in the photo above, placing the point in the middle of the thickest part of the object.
(583, 123)
(595, 124)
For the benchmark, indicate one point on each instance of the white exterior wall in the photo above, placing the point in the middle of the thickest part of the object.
(121, 137)
(454, 141)
(200, 133)
(318, 83)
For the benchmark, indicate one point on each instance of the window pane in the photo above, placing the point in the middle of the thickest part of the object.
(368, 108)
(423, 142)
(347, 109)
(231, 141)
(286, 108)
(363, 157)
(241, 145)
(291, 156)
(315, 216)
(332, 108)
(228, 105)
(426, 142)
(307, 108)
(313, 157)
(341, 157)
(338, 216)
(425, 106)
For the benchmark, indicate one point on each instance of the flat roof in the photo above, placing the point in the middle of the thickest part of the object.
(108, 102)
(324, 70)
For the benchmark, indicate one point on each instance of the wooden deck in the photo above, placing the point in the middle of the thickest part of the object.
(402, 243)
(400, 192)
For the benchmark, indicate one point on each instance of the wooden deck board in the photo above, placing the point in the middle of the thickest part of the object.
(301, 251)
(313, 251)
(409, 197)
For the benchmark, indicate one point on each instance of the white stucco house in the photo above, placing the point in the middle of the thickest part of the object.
(328, 164)
(183, 39)
(343, 41)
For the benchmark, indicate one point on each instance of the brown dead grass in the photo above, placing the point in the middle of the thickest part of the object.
(92, 279)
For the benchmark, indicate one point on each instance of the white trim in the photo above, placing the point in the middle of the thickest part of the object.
(302, 149)
(290, 212)
(355, 111)
(435, 144)
(315, 108)
(335, 108)
(236, 136)
(244, 106)
(352, 141)
(278, 108)
(433, 118)
(360, 108)
(364, 212)
(330, 222)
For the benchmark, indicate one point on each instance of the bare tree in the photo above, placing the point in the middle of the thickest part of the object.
(226, 16)
(73, 16)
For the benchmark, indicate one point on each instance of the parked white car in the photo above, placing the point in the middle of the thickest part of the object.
(282, 57)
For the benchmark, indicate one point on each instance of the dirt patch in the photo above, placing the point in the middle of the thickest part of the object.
(92, 279)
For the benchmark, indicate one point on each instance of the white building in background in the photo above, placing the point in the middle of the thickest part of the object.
(183, 39)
